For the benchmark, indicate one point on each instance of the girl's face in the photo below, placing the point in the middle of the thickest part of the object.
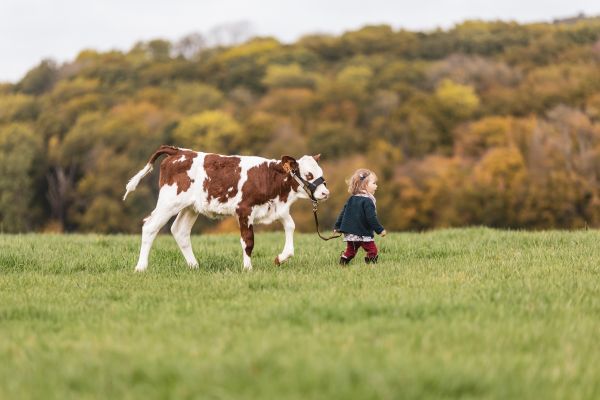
(371, 186)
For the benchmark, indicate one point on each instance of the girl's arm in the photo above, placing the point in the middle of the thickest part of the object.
(371, 214)
(338, 222)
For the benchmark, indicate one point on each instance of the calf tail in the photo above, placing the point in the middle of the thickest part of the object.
(135, 180)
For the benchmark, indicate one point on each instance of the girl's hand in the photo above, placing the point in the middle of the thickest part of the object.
(383, 233)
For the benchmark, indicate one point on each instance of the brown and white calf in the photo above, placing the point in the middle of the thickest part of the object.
(254, 189)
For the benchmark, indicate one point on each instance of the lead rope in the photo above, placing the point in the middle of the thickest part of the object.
(317, 224)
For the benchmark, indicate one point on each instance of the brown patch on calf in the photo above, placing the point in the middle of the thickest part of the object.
(246, 232)
(174, 169)
(222, 177)
(266, 182)
(289, 164)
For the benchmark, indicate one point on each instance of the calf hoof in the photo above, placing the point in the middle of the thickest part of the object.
(277, 262)
(193, 266)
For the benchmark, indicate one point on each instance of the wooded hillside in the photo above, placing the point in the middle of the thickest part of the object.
(488, 123)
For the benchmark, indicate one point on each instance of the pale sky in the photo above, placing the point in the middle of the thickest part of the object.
(31, 30)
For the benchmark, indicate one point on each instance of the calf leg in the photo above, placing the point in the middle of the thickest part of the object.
(246, 239)
(181, 229)
(166, 206)
(288, 249)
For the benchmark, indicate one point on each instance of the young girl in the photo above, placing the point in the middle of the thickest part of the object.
(358, 219)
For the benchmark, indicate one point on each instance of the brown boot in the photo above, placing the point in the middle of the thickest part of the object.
(344, 261)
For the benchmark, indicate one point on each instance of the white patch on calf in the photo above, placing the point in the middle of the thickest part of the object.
(180, 159)
(270, 211)
(247, 260)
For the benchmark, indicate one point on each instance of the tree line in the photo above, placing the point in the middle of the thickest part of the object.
(486, 123)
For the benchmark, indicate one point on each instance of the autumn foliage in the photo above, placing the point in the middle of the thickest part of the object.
(488, 123)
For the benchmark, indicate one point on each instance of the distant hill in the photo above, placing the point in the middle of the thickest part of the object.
(486, 123)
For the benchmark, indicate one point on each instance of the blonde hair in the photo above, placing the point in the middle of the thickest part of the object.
(359, 180)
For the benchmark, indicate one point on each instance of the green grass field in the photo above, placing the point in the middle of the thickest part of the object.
(473, 313)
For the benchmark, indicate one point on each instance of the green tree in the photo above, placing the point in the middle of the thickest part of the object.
(105, 149)
(39, 79)
(19, 150)
(245, 65)
(260, 130)
(336, 140)
(370, 39)
(196, 97)
(17, 107)
(160, 50)
(350, 83)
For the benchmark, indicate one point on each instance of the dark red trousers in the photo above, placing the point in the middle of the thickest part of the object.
(352, 247)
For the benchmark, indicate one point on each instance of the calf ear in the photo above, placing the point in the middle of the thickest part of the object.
(289, 164)
(317, 157)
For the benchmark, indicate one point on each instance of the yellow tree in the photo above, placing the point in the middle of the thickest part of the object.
(452, 103)
(496, 189)
(288, 76)
(210, 131)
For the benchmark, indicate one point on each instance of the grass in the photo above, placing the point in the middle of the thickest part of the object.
(470, 313)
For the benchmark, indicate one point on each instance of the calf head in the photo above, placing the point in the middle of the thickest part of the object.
(309, 174)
